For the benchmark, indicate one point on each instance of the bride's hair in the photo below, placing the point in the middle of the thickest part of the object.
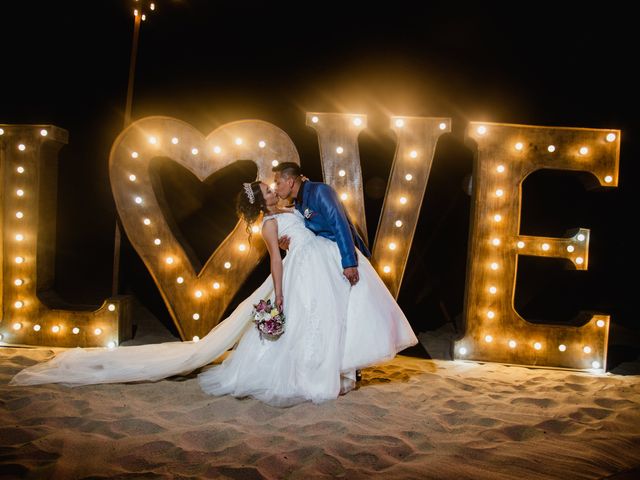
(247, 211)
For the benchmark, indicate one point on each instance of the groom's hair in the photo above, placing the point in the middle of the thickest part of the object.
(288, 169)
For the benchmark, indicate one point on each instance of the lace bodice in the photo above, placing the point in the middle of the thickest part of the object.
(291, 224)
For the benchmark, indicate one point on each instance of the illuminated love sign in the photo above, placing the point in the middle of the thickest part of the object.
(196, 296)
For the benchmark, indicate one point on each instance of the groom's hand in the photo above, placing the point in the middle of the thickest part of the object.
(283, 242)
(352, 275)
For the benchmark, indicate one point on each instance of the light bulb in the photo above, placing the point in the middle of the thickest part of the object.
(146, 221)
(194, 151)
(20, 192)
(513, 344)
(499, 192)
(75, 330)
(196, 338)
(610, 137)
(491, 314)
(112, 307)
(579, 260)
(262, 144)
(586, 349)
(216, 285)
(344, 196)
(497, 217)
(255, 229)
(55, 328)
(196, 316)
(357, 121)
(180, 280)
(442, 126)
(488, 338)
(403, 200)
(595, 364)
(551, 148)
(19, 259)
(398, 223)
(21, 147)
(339, 150)
(562, 347)
(18, 282)
(520, 244)
(227, 265)
(386, 269)
(608, 179)
(19, 237)
(97, 331)
(37, 328)
(138, 200)
(157, 241)
(537, 345)
(20, 169)
(19, 214)
(198, 293)
(1, 131)
(583, 150)
(132, 177)
(600, 323)
(134, 155)
(242, 247)
(153, 140)
(495, 266)
(17, 326)
(545, 246)
(481, 130)
(274, 163)
(169, 260)
(581, 237)
(19, 304)
(519, 146)
(238, 141)
(570, 248)
(399, 123)
(495, 242)
(392, 246)
(217, 149)
(413, 154)
(492, 290)
(175, 140)
(342, 173)
(408, 177)
(462, 351)
(500, 168)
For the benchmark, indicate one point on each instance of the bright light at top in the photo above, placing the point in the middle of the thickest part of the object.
(500, 168)
(339, 150)
(175, 140)
(611, 137)
(551, 148)
(608, 179)
(357, 121)
(153, 140)
(442, 126)
(399, 123)
(413, 154)
(581, 237)
(342, 173)
(238, 141)
(21, 147)
(217, 149)
(315, 119)
(43, 132)
(262, 144)
(584, 150)
(481, 130)
(519, 146)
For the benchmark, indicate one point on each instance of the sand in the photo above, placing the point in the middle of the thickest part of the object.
(411, 418)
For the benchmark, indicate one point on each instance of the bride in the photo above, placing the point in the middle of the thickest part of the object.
(332, 328)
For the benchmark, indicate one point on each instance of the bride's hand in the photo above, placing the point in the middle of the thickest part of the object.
(280, 302)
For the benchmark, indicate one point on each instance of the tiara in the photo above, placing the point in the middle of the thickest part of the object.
(249, 191)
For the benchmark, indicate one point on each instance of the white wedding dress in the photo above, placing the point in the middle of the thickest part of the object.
(332, 329)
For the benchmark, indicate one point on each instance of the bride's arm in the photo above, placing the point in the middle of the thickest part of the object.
(270, 237)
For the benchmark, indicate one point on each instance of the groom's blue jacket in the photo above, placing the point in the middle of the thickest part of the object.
(325, 216)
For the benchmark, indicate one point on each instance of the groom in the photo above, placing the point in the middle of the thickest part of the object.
(324, 215)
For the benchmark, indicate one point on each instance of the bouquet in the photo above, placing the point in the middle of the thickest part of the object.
(269, 320)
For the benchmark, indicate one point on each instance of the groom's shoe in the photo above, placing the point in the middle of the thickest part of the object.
(358, 375)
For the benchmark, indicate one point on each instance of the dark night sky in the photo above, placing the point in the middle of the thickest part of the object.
(209, 63)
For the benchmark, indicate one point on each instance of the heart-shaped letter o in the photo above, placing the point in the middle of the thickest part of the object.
(195, 300)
